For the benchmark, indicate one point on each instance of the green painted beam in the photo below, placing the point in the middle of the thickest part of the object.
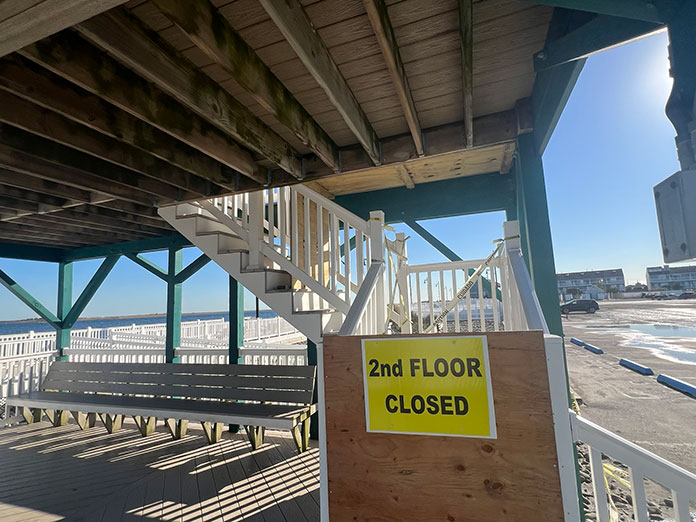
(648, 11)
(65, 288)
(192, 268)
(536, 242)
(439, 199)
(29, 300)
(598, 34)
(89, 291)
(148, 265)
(30, 252)
(236, 320)
(173, 330)
(127, 247)
(312, 360)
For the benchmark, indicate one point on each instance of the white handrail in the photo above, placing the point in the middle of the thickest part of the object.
(358, 309)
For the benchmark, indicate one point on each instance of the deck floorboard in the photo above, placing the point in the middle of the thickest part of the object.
(68, 474)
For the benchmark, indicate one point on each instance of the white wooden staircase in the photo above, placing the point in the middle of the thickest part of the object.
(314, 263)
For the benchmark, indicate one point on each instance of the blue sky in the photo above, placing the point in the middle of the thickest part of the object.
(612, 145)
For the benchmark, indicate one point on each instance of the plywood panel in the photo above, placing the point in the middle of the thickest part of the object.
(387, 477)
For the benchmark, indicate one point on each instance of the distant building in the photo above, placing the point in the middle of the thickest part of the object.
(638, 287)
(587, 283)
(671, 277)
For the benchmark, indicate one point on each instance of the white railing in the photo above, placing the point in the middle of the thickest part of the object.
(325, 248)
(640, 465)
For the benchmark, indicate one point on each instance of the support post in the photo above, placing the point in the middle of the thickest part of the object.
(65, 287)
(236, 320)
(312, 361)
(535, 230)
(173, 337)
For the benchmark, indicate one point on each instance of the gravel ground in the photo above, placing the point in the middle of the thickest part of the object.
(637, 407)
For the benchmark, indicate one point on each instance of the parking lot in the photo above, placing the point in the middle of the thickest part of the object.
(658, 334)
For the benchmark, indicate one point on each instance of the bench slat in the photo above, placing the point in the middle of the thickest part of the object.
(196, 369)
(268, 415)
(299, 397)
(229, 381)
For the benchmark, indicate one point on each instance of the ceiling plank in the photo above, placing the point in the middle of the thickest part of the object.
(71, 57)
(143, 51)
(214, 35)
(158, 191)
(293, 22)
(33, 83)
(657, 12)
(37, 120)
(36, 239)
(50, 222)
(20, 28)
(379, 18)
(466, 29)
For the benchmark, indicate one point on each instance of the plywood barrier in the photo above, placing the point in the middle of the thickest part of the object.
(389, 477)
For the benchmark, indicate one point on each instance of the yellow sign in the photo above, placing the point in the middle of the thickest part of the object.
(428, 386)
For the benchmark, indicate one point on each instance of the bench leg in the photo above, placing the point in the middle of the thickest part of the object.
(32, 415)
(85, 420)
(112, 423)
(146, 425)
(213, 431)
(300, 434)
(177, 427)
(255, 434)
(58, 417)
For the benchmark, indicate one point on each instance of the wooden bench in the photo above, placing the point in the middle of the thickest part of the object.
(256, 397)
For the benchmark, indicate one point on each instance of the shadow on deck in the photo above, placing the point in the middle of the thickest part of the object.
(66, 474)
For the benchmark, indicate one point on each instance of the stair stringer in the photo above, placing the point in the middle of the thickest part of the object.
(208, 239)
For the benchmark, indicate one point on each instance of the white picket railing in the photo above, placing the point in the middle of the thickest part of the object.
(641, 465)
(327, 249)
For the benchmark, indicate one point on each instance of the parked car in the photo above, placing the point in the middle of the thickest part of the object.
(687, 295)
(589, 306)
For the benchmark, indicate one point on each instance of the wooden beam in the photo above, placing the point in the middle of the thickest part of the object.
(34, 197)
(214, 35)
(33, 83)
(47, 222)
(293, 22)
(20, 26)
(488, 130)
(379, 18)
(466, 29)
(71, 57)
(31, 239)
(143, 51)
(37, 120)
(113, 175)
(51, 232)
(108, 217)
(406, 176)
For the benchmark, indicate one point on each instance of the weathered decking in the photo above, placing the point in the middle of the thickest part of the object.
(67, 474)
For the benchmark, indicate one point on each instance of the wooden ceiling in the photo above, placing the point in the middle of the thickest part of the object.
(112, 114)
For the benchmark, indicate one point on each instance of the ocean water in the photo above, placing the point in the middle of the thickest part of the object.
(15, 327)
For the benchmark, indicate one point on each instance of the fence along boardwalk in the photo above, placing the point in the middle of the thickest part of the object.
(126, 477)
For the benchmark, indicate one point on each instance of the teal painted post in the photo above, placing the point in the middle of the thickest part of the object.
(236, 319)
(312, 359)
(173, 338)
(536, 233)
(65, 287)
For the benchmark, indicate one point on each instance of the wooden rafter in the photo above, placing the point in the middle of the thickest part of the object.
(214, 35)
(29, 81)
(22, 24)
(148, 55)
(379, 18)
(466, 29)
(71, 57)
(293, 22)
(37, 120)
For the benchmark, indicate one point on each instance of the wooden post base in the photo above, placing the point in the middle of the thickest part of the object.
(177, 427)
(300, 434)
(32, 415)
(213, 431)
(255, 434)
(85, 420)
(112, 423)
(58, 417)
(146, 425)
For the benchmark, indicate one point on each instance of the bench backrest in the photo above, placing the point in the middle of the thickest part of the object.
(262, 383)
